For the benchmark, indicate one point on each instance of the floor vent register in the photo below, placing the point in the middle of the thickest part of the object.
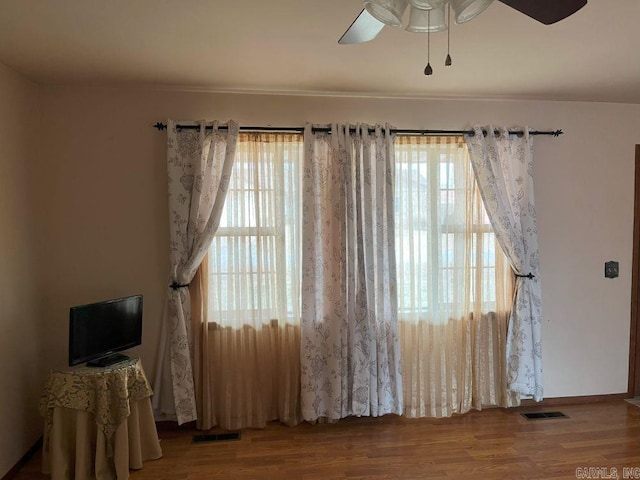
(216, 437)
(544, 415)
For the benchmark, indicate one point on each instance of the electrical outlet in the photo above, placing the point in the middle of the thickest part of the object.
(611, 269)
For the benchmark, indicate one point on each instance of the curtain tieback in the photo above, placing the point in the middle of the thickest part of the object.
(176, 286)
(528, 275)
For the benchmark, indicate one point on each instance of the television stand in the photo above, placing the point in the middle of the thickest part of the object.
(107, 360)
(98, 420)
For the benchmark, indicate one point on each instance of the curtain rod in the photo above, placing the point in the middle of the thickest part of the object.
(555, 133)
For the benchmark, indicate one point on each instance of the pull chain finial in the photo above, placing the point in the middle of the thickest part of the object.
(447, 62)
(428, 71)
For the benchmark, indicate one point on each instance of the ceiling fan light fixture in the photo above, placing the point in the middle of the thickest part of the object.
(468, 9)
(419, 21)
(426, 4)
(389, 12)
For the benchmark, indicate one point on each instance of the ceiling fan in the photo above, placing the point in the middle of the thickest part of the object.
(428, 16)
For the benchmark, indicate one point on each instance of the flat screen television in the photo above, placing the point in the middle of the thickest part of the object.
(98, 330)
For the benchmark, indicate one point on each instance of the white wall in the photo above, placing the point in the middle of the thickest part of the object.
(21, 371)
(103, 180)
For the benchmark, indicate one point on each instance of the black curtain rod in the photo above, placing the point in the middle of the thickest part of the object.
(555, 133)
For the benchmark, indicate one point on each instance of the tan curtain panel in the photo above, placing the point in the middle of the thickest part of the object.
(454, 283)
(249, 347)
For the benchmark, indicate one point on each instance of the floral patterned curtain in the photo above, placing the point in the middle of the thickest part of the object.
(503, 165)
(199, 163)
(350, 347)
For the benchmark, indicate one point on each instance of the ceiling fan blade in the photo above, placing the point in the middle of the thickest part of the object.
(363, 29)
(546, 11)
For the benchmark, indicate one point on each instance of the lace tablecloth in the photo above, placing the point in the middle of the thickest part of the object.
(104, 392)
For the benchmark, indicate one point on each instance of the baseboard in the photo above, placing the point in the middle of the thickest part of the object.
(23, 461)
(552, 402)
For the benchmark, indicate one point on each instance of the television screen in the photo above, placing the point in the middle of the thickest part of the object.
(98, 330)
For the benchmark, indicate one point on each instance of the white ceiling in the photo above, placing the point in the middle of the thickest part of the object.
(291, 46)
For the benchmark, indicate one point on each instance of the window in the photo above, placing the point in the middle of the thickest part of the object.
(447, 258)
(253, 260)
(446, 252)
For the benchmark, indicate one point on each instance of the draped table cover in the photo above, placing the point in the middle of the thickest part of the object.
(98, 422)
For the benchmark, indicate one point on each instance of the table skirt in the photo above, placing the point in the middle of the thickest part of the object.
(75, 448)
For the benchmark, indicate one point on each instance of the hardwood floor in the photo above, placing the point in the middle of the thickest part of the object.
(492, 444)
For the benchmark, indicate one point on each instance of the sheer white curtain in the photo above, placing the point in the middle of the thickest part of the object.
(454, 283)
(252, 350)
(199, 164)
(503, 166)
(350, 346)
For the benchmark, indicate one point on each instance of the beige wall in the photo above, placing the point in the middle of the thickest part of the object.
(103, 180)
(21, 369)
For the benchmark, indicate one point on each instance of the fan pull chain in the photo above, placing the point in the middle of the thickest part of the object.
(428, 71)
(447, 62)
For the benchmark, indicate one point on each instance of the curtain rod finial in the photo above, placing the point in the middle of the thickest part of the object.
(160, 126)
